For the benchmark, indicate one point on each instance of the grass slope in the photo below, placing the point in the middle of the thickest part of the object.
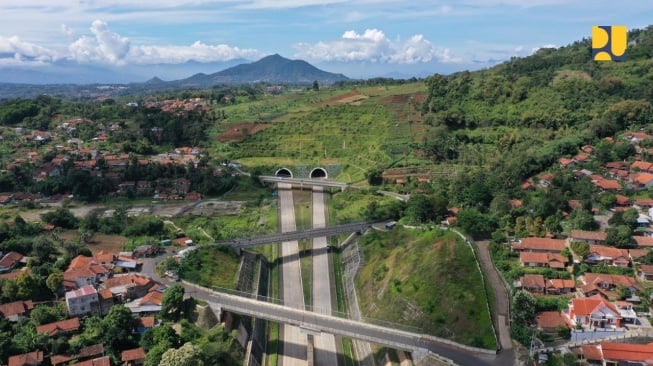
(211, 267)
(428, 280)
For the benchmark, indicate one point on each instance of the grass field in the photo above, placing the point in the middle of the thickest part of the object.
(211, 267)
(427, 280)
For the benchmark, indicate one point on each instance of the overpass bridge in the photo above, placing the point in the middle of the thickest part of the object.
(313, 322)
(303, 182)
(299, 235)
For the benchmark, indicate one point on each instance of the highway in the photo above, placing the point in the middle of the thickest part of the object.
(325, 344)
(294, 341)
(298, 235)
(316, 322)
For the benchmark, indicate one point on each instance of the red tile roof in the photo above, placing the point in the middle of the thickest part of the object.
(608, 252)
(560, 284)
(89, 351)
(612, 280)
(146, 322)
(532, 280)
(648, 269)
(587, 305)
(153, 297)
(643, 178)
(627, 352)
(641, 165)
(541, 244)
(643, 241)
(637, 253)
(622, 200)
(16, 308)
(592, 352)
(608, 184)
(10, 259)
(101, 361)
(550, 320)
(133, 354)
(63, 326)
(589, 235)
(26, 359)
(551, 259)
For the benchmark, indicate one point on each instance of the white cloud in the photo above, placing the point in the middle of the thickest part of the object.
(373, 46)
(21, 50)
(109, 47)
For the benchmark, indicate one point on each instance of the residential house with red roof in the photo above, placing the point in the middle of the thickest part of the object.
(589, 237)
(637, 254)
(16, 310)
(546, 180)
(539, 245)
(85, 353)
(645, 272)
(129, 286)
(607, 185)
(594, 312)
(643, 241)
(531, 282)
(100, 361)
(611, 256)
(550, 260)
(9, 261)
(60, 327)
(622, 201)
(559, 286)
(599, 283)
(565, 162)
(613, 353)
(641, 181)
(27, 359)
(641, 166)
(133, 357)
(550, 321)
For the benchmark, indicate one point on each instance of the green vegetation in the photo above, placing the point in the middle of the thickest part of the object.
(429, 280)
(211, 267)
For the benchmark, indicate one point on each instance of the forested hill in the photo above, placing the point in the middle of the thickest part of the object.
(552, 88)
(533, 110)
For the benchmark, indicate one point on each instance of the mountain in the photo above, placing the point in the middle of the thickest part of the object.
(273, 69)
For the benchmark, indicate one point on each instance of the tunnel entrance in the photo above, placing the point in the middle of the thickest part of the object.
(283, 173)
(319, 173)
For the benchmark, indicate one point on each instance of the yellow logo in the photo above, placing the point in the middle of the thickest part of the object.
(609, 42)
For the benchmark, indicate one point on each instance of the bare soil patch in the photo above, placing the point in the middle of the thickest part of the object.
(353, 97)
(98, 242)
(239, 131)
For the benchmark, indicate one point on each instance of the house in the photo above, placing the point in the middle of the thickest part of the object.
(27, 359)
(16, 310)
(580, 158)
(539, 245)
(79, 278)
(566, 163)
(607, 185)
(9, 261)
(641, 166)
(557, 286)
(550, 260)
(589, 237)
(611, 256)
(60, 327)
(148, 304)
(531, 283)
(598, 283)
(133, 357)
(86, 353)
(645, 272)
(550, 321)
(641, 181)
(129, 286)
(637, 254)
(643, 241)
(100, 361)
(594, 312)
(145, 323)
(143, 251)
(546, 180)
(82, 301)
(622, 201)
(612, 353)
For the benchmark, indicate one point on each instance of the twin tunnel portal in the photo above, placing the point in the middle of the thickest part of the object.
(316, 173)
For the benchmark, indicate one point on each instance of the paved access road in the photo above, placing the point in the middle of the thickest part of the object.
(294, 341)
(325, 344)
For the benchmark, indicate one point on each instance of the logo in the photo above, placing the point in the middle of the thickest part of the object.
(609, 42)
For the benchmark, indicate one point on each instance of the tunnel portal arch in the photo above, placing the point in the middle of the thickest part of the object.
(284, 173)
(319, 172)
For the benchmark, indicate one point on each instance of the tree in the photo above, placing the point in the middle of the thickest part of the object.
(374, 177)
(476, 224)
(61, 217)
(54, 282)
(186, 355)
(172, 303)
(623, 292)
(582, 220)
(620, 236)
(581, 248)
(523, 308)
(316, 86)
(117, 328)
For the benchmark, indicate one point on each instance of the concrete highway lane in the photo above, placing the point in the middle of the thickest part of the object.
(325, 344)
(294, 341)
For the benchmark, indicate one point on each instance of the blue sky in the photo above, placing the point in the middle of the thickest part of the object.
(364, 38)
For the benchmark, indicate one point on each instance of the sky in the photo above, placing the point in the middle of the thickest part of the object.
(359, 38)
